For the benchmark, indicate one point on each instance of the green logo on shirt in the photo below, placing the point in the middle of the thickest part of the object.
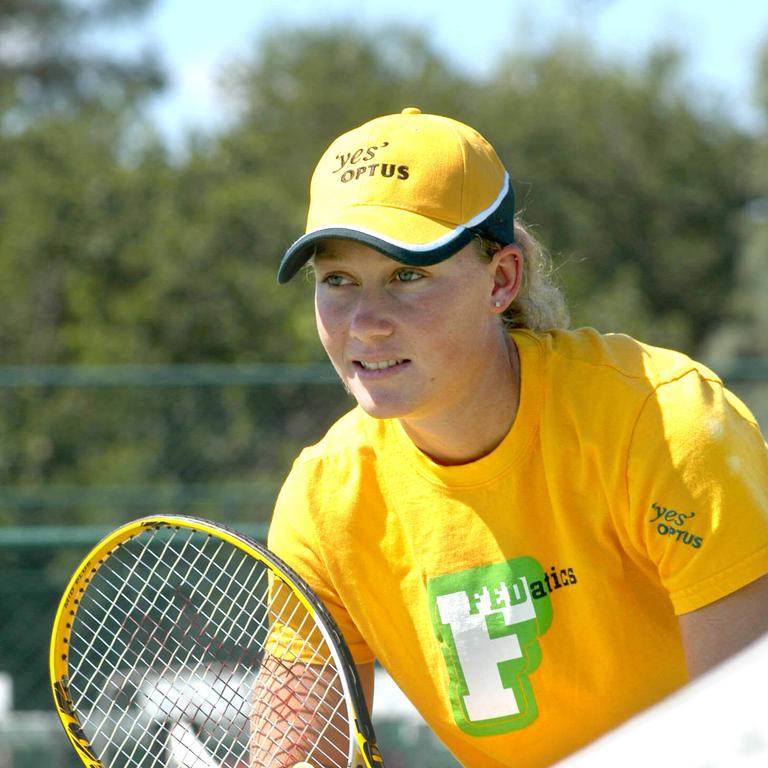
(488, 625)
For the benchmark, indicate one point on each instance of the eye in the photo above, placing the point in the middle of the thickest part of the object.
(334, 279)
(408, 275)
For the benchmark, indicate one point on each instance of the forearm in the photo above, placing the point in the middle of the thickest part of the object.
(717, 631)
(297, 712)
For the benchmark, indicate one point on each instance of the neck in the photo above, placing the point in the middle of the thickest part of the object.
(477, 428)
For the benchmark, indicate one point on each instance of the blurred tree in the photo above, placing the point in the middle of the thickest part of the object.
(47, 60)
(756, 282)
(632, 180)
(746, 333)
(72, 214)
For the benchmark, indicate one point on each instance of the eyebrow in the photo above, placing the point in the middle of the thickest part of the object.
(321, 252)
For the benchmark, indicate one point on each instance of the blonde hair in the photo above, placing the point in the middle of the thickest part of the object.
(539, 304)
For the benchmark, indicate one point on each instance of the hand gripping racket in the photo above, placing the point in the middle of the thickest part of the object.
(180, 643)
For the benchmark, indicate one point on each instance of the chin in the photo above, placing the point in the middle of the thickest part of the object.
(380, 408)
(376, 411)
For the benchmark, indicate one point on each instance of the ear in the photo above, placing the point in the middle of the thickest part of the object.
(507, 271)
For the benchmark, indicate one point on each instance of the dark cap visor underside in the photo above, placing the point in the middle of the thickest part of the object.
(303, 250)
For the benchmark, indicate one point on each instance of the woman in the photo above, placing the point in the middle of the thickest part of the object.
(536, 531)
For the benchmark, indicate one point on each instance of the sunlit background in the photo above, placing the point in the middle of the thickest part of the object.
(154, 160)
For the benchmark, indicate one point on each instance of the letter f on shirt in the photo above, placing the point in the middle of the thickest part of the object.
(488, 624)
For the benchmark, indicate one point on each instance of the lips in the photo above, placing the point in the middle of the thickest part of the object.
(373, 367)
(379, 365)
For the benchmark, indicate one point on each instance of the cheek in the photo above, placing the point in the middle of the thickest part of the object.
(327, 327)
(460, 332)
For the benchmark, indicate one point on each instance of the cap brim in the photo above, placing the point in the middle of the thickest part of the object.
(430, 241)
(427, 240)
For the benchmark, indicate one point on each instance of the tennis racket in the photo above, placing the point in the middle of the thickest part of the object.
(180, 643)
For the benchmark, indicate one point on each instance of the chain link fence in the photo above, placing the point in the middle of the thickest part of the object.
(85, 449)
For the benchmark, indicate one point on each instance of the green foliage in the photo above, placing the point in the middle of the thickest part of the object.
(745, 333)
(761, 83)
(71, 216)
(634, 184)
(101, 453)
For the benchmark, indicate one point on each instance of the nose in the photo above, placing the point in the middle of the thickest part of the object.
(371, 316)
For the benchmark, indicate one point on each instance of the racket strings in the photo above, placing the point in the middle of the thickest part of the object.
(154, 634)
(299, 713)
(110, 594)
(164, 650)
(171, 616)
(299, 709)
(203, 625)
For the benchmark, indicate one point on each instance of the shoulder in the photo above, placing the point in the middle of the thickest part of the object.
(343, 457)
(619, 354)
(611, 388)
(352, 437)
(329, 481)
(585, 359)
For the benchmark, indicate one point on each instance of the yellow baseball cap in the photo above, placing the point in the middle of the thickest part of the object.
(414, 186)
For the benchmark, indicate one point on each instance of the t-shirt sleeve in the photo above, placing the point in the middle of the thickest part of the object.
(697, 489)
(294, 537)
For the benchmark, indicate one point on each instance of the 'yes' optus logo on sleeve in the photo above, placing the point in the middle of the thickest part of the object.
(673, 524)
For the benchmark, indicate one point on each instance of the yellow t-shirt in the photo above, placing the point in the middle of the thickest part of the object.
(526, 602)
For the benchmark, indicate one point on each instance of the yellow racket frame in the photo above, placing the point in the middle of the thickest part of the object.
(368, 754)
